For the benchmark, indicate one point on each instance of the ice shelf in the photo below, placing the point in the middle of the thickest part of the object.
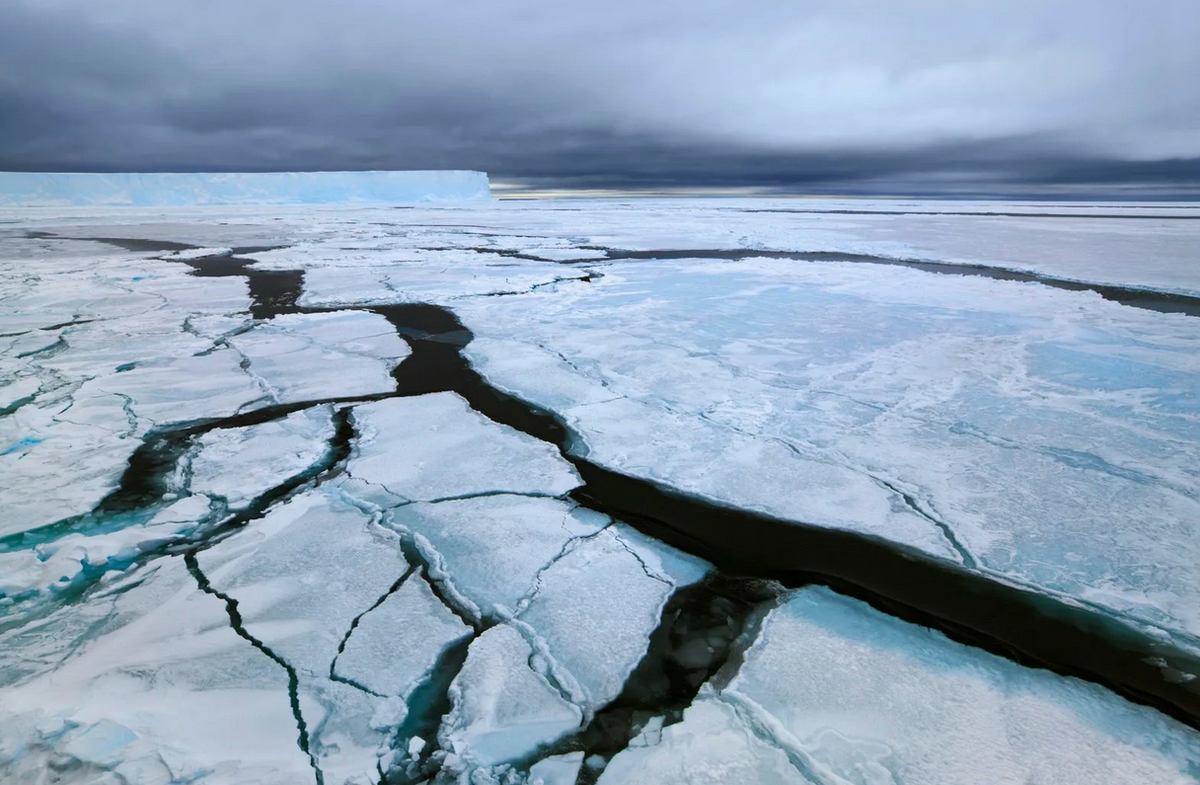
(35, 189)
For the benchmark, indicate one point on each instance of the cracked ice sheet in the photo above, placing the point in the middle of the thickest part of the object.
(856, 696)
(155, 686)
(105, 382)
(489, 551)
(301, 357)
(240, 464)
(449, 451)
(593, 609)
(35, 576)
(500, 708)
(1054, 433)
(712, 745)
(587, 600)
(426, 279)
(303, 576)
(296, 597)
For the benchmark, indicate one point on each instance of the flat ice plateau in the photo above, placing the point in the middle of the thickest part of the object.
(647, 491)
(32, 189)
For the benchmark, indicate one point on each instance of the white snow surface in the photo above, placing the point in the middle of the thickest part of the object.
(150, 683)
(711, 746)
(302, 357)
(239, 464)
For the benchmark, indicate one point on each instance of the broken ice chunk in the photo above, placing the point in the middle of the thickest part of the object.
(397, 643)
(595, 609)
(434, 447)
(344, 735)
(556, 770)
(502, 710)
(306, 357)
(711, 745)
(303, 573)
(868, 698)
(491, 549)
(239, 464)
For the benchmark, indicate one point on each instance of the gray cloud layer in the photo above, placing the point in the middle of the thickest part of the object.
(784, 93)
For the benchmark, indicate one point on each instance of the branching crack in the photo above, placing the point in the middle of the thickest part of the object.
(235, 621)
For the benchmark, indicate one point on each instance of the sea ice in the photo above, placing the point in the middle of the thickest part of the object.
(501, 709)
(238, 465)
(856, 696)
(594, 609)
(297, 598)
(450, 451)
(155, 683)
(308, 357)
(983, 422)
(712, 745)
(490, 550)
(397, 643)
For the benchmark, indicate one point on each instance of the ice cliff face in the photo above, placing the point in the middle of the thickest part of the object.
(35, 189)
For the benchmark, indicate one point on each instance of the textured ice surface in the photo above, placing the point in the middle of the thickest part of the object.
(150, 682)
(303, 573)
(502, 710)
(556, 770)
(398, 642)
(594, 609)
(712, 745)
(435, 447)
(87, 392)
(161, 189)
(240, 464)
(303, 357)
(1046, 435)
(39, 574)
(853, 694)
(491, 550)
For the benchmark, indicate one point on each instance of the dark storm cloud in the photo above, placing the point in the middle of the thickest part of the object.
(777, 93)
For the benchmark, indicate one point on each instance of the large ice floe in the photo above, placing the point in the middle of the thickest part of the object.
(737, 491)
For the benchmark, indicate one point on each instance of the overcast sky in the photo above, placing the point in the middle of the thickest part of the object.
(832, 94)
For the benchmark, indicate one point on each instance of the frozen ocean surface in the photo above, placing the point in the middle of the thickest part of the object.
(357, 495)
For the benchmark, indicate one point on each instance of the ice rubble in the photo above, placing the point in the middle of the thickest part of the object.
(28, 189)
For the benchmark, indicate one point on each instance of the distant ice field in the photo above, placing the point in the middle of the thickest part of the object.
(327, 469)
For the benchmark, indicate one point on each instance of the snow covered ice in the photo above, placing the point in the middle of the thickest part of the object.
(365, 495)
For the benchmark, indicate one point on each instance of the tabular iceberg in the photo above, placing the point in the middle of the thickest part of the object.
(36, 189)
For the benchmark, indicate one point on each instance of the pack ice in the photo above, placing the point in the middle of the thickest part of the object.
(317, 495)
